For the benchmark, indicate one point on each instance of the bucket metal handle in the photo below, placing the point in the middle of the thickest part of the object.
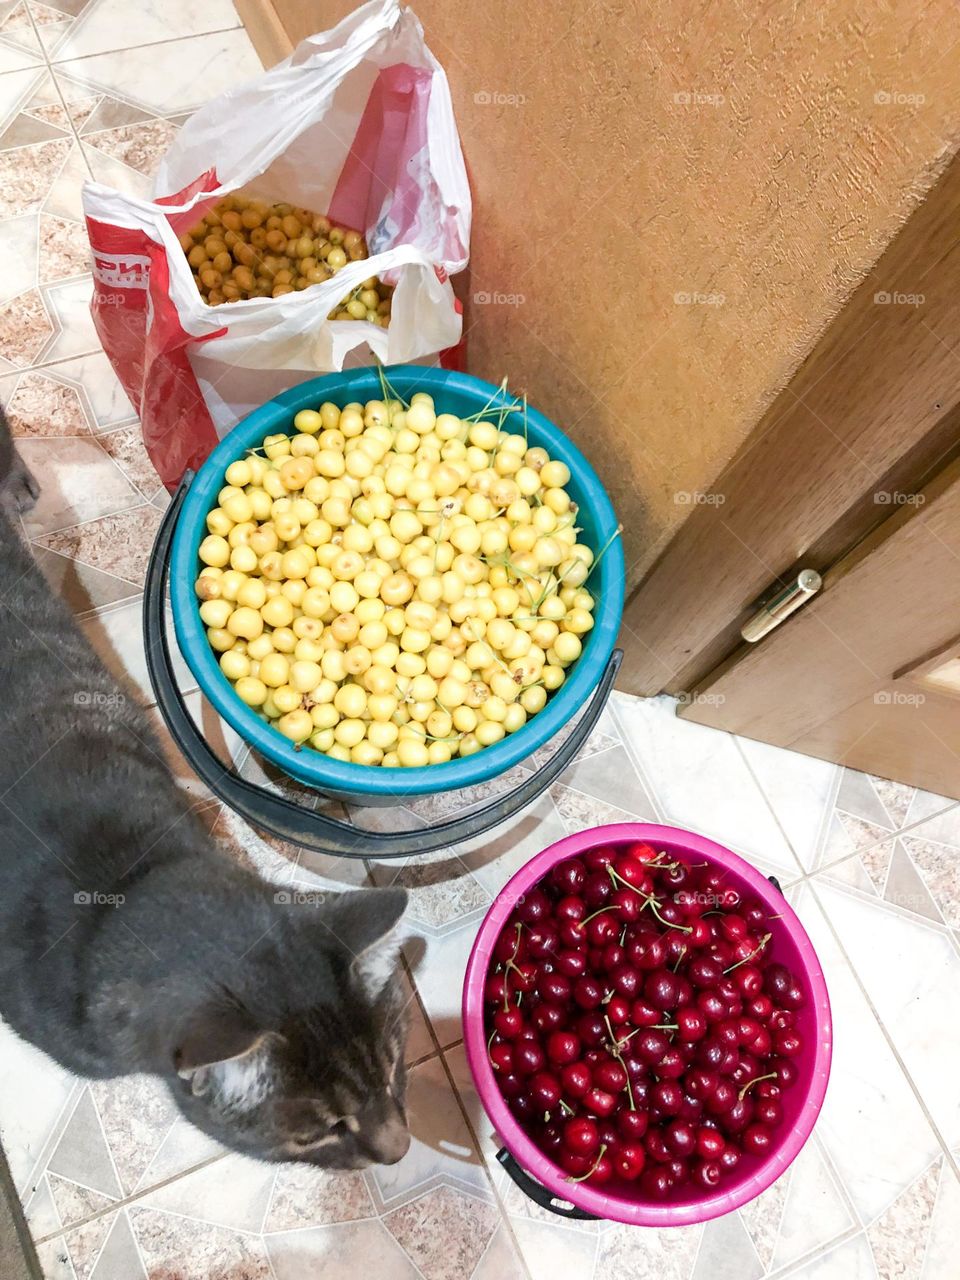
(287, 820)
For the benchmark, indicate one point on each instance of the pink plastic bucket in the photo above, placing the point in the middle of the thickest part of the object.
(801, 1103)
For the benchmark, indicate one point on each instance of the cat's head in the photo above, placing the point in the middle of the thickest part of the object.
(302, 1057)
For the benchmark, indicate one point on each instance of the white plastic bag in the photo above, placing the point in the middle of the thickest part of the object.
(357, 123)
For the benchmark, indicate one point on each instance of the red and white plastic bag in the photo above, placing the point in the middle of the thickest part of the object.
(358, 124)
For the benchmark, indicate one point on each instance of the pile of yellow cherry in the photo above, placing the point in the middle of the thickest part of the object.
(393, 586)
(246, 248)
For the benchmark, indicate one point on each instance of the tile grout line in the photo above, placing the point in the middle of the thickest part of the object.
(132, 1198)
(478, 1147)
(886, 1034)
(66, 107)
(151, 44)
(634, 757)
(431, 1030)
(738, 747)
(893, 835)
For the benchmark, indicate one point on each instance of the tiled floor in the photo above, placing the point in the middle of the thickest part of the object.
(116, 1186)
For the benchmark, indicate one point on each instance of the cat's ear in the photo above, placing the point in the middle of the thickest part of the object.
(222, 1049)
(368, 924)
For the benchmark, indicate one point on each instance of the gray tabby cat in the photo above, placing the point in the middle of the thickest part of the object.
(129, 942)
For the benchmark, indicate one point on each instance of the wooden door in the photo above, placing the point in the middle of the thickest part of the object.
(868, 672)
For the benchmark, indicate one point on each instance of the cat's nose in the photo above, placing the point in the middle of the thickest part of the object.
(390, 1142)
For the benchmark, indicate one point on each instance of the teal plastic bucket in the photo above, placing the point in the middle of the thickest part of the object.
(452, 392)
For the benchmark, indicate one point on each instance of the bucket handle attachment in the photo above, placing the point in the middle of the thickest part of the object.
(539, 1193)
(287, 820)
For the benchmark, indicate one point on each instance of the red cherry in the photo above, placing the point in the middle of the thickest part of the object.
(618, 1010)
(501, 1057)
(508, 1022)
(600, 1102)
(710, 1144)
(655, 1183)
(627, 905)
(632, 1124)
(691, 1024)
(629, 1160)
(757, 1139)
(599, 859)
(643, 1014)
(570, 908)
(580, 1136)
(603, 929)
(568, 876)
(545, 1091)
(681, 1138)
(563, 1047)
(548, 1017)
(572, 964)
(787, 1043)
(528, 1057)
(576, 1079)
(587, 992)
(641, 852)
(609, 1075)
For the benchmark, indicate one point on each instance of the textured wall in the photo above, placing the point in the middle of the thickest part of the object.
(627, 156)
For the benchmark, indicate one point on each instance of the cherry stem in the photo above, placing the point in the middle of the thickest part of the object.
(756, 1080)
(593, 1168)
(621, 1041)
(665, 1026)
(755, 952)
(566, 1108)
(614, 1048)
(683, 952)
(649, 900)
(489, 1043)
(593, 915)
(510, 964)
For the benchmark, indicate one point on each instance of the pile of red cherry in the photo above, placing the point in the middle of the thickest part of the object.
(637, 1029)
